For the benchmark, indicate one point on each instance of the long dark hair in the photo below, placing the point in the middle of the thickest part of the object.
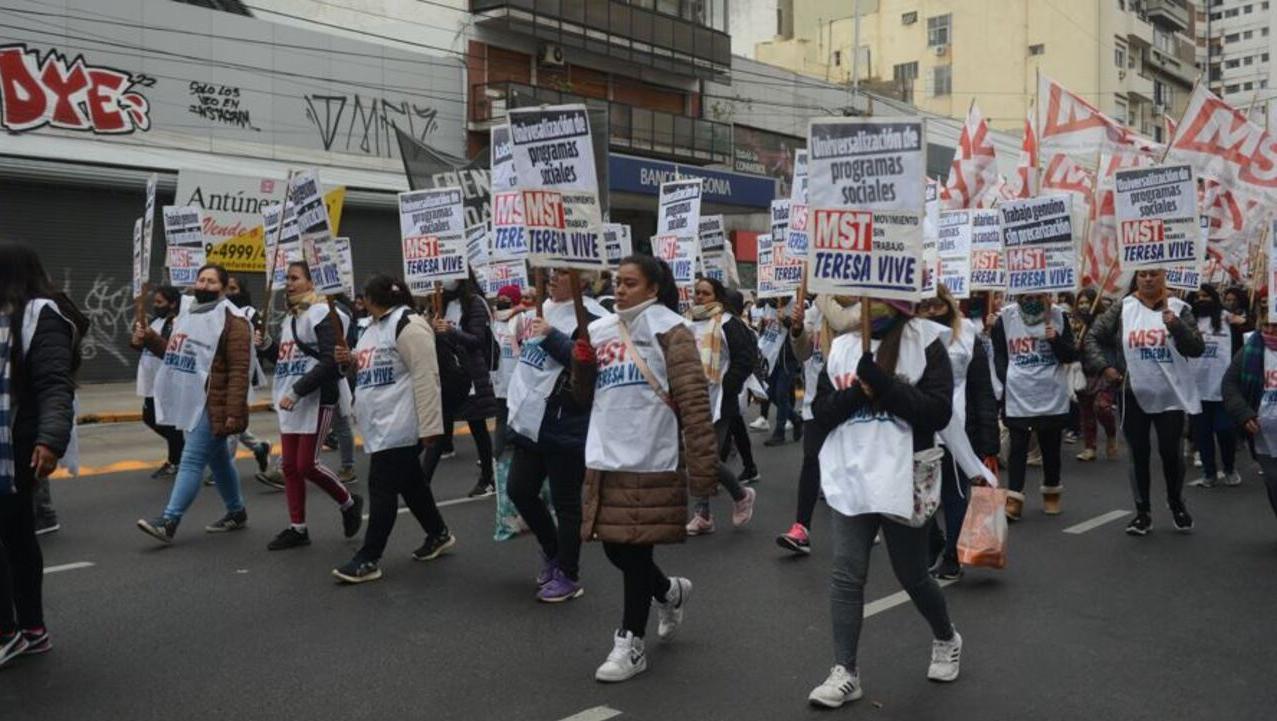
(720, 290)
(22, 276)
(171, 294)
(1216, 315)
(658, 273)
(297, 264)
(387, 292)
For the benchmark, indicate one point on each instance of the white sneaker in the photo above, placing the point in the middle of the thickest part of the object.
(1231, 479)
(944, 658)
(670, 614)
(760, 424)
(626, 661)
(1197, 460)
(837, 690)
(1203, 482)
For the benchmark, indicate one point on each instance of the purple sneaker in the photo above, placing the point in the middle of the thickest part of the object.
(559, 589)
(546, 574)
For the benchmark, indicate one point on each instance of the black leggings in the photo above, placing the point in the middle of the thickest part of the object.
(644, 582)
(173, 437)
(395, 472)
(1049, 440)
(809, 476)
(566, 471)
(740, 437)
(482, 444)
(21, 564)
(1136, 428)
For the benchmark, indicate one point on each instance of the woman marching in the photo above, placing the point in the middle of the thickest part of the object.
(727, 355)
(548, 428)
(1220, 344)
(1032, 346)
(1251, 398)
(641, 371)
(37, 388)
(1145, 341)
(306, 392)
(151, 340)
(1095, 401)
(879, 409)
(398, 410)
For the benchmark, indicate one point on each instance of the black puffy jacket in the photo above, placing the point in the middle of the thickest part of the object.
(43, 382)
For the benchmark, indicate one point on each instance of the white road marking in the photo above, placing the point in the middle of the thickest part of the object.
(444, 504)
(895, 599)
(598, 713)
(68, 567)
(1096, 522)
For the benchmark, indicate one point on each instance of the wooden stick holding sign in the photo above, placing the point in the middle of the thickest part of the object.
(865, 327)
(540, 292)
(578, 304)
(265, 313)
(139, 306)
(438, 300)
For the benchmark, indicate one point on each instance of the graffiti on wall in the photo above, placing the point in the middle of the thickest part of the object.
(108, 304)
(69, 94)
(355, 123)
(220, 104)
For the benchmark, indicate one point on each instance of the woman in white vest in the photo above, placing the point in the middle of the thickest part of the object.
(1213, 423)
(1032, 347)
(880, 408)
(650, 432)
(306, 392)
(548, 429)
(242, 299)
(505, 327)
(398, 410)
(972, 433)
(37, 388)
(202, 390)
(1143, 344)
(151, 340)
(727, 355)
(1250, 396)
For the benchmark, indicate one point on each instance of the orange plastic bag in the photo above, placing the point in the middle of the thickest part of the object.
(983, 541)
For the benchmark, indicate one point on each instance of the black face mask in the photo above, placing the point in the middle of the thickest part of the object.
(158, 313)
(1203, 308)
(240, 299)
(205, 296)
(945, 320)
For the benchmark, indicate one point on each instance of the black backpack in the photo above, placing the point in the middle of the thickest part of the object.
(454, 378)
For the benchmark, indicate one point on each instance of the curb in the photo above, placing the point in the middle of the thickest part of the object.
(88, 419)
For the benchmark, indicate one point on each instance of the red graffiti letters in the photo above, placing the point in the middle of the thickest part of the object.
(71, 95)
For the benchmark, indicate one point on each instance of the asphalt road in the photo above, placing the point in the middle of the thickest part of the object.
(1091, 625)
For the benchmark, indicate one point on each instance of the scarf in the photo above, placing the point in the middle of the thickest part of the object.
(7, 463)
(300, 302)
(629, 315)
(712, 350)
(1253, 369)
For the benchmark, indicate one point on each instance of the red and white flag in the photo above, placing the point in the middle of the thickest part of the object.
(1069, 124)
(1220, 142)
(1024, 184)
(974, 170)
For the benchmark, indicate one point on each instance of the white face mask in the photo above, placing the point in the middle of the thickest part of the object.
(451, 285)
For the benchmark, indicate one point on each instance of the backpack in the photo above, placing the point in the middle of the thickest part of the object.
(454, 378)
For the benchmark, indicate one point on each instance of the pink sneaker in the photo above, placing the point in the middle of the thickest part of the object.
(743, 510)
(700, 525)
(795, 540)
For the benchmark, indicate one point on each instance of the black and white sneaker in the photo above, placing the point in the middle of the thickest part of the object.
(232, 521)
(485, 487)
(357, 570)
(289, 538)
(46, 524)
(748, 475)
(1182, 520)
(352, 518)
(274, 479)
(160, 528)
(164, 472)
(261, 453)
(38, 641)
(11, 647)
(947, 568)
(1140, 525)
(434, 546)
(841, 686)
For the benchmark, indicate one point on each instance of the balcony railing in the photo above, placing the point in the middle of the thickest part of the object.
(1168, 13)
(633, 129)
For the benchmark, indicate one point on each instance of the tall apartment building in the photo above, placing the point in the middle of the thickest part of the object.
(1236, 44)
(1134, 59)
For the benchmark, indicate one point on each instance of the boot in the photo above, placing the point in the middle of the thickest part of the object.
(1051, 499)
(1015, 505)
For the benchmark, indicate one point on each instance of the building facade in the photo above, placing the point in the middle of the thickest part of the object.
(1236, 46)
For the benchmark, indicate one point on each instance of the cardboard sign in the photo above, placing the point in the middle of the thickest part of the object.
(139, 273)
(779, 273)
(1038, 236)
(617, 242)
(183, 227)
(148, 226)
(1189, 276)
(988, 261)
(477, 254)
(315, 231)
(678, 214)
(1157, 219)
(797, 234)
(501, 159)
(953, 246)
(713, 236)
(432, 227)
(345, 266)
(498, 275)
(288, 244)
(554, 162)
(865, 205)
(679, 251)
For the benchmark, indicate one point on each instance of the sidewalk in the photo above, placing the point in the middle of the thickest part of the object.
(119, 403)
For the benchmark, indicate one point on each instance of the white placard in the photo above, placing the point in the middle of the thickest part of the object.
(345, 266)
(1189, 275)
(148, 226)
(289, 244)
(953, 247)
(797, 235)
(1157, 219)
(617, 242)
(1037, 234)
(988, 261)
(315, 232)
(139, 273)
(432, 228)
(498, 275)
(477, 254)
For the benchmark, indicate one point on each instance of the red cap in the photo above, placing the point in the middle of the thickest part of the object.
(512, 292)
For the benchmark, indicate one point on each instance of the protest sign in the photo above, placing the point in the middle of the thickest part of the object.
(930, 265)
(498, 275)
(679, 251)
(679, 215)
(1189, 276)
(797, 234)
(345, 266)
(501, 157)
(713, 236)
(139, 271)
(477, 254)
(509, 241)
(1272, 269)
(554, 163)
(432, 226)
(314, 231)
(617, 242)
(1157, 217)
(185, 240)
(865, 199)
(786, 270)
(1037, 234)
(988, 262)
(281, 248)
(953, 246)
(148, 226)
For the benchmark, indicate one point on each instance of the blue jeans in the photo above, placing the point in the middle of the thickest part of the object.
(1210, 424)
(781, 385)
(203, 449)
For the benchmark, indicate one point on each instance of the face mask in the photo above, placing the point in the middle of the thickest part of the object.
(240, 299)
(1202, 308)
(451, 285)
(503, 304)
(205, 296)
(1033, 308)
(945, 320)
(157, 313)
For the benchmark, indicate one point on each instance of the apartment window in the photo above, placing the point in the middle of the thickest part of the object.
(1230, 13)
(1230, 64)
(1263, 6)
(1248, 86)
(838, 58)
(905, 72)
(1161, 93)
(1264, 57)
(909, 18)
(1119, 55)
(1120, 107)
(1250, 60)
(939, 30)
(1263, 32)
(780, 22)
(1248, 9)
(1263, 83)
(1163, 41)
(1230, 89)
(1038, 49)
(941, 80)
(1231, 38)
(1216, 16)
(1248, 35)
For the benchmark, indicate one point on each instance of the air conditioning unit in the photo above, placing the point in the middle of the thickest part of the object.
(1159, 109)
(551, 54)
(940, 50)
